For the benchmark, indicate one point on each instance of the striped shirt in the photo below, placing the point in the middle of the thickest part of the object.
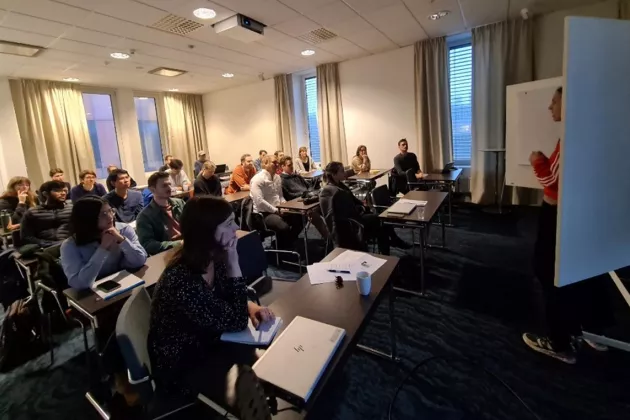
(547, 170)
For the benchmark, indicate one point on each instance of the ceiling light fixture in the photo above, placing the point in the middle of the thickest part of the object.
(119, 55)
(15, 48)
(204, 13)
(165, 71)
(439, 15)
(173, 90)
(306, 53)
(228, 75)
(70, 79)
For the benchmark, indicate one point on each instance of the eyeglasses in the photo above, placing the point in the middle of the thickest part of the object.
(106, 213)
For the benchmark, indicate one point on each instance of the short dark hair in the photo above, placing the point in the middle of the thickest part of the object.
(84, 219)
(361, 146)
(277, 152)
(261, 151)
(49, 186)
(284, 159)
(559, 90)
(331, 169)
(176, 164)
(168, 156)
(113, 176)
(85, 172)
(155, 177)
(54, 171)
(244, 157)
(199, 222)
(402, 140)
(111, 168)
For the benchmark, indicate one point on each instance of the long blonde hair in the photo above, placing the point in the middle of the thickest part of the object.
(11, 190)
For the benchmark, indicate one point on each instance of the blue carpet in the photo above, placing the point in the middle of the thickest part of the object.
(482, 297)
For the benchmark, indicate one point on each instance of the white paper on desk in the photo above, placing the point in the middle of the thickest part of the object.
(126, 280)
(368, 263)
(250, 335)
(420, 203)
(402, 207)
(318, 273)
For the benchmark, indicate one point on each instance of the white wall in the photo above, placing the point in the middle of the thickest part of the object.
(240, 120)
(549, 35)
(378, 104)
(12, 162)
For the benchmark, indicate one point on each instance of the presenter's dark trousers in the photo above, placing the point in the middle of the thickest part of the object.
(569, 309)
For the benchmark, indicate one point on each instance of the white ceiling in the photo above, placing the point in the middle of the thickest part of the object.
(80, 34)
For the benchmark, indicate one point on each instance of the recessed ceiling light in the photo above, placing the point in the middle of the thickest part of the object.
(164, 71)
(228, 75)
(70, 79)
(203, 13)
(173, 90)
(15, 48)
(439, 15)
(308, 52)
(120, 55)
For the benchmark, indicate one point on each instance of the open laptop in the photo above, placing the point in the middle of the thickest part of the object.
(296, 360)
(220, 168)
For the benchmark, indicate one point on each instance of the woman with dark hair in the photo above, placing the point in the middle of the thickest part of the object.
(200, 295)
(17, 198)
(339, 206)
(97, 246)
(361, 161)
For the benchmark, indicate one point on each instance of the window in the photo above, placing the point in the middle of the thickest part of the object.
(102, 128)
(149, 133)
(460, 77)
(310, 87)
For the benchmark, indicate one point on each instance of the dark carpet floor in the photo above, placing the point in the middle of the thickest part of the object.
(482, 297)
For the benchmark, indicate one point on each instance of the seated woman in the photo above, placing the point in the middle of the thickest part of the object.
(339, 206)
(200, 295)
(303, 163)
(361, 161)
(97, 246)
(17, 198)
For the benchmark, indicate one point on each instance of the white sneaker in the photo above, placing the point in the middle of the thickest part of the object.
(595, 346)
(543, 345)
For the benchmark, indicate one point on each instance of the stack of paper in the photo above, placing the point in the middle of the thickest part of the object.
(420, 203)
(250, 335)
(346, 265)
(126, 280)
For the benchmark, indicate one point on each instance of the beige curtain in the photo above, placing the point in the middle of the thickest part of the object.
(432, 100)
(503, 54)
(53, 128)
(185, 128)
(285, 127)
(332, 134)
(624, 9)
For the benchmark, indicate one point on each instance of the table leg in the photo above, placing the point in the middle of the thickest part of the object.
(450, 203)
(304, 223)
(393, 356)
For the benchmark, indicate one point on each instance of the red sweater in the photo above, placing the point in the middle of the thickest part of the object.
(547, 171)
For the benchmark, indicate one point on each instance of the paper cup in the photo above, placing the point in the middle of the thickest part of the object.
(364, 283)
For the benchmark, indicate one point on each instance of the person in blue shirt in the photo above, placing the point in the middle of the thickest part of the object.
(88, 186)
(258, 162)
(98, 246)
(125, 202)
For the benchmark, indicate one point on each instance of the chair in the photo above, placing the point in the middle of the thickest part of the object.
(380, 198)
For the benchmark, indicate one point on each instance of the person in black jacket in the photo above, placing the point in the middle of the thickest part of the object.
(339, 206)
(207, 183)
(48, 224)
(17, 199)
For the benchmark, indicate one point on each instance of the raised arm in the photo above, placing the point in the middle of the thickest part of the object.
(134, 255)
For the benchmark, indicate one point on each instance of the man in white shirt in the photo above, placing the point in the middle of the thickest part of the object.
(179, 179)
(266, 193)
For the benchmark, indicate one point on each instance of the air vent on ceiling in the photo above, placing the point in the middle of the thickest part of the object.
(177, 25)
(318, 36)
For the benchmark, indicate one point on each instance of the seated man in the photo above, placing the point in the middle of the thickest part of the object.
(110, 186)
(158, 224)
(241, 176)
(126, 203)
(261, 154)
(56, 174)
(278, 154)
(201, 159)
(179, 179)
(294, 186)
(48, 224)
(266, 193)
(167, 160)
(207, 183)
(88, 186)
(406, 160)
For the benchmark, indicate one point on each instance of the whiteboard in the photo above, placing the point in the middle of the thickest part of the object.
(593, 235)
(529, 127)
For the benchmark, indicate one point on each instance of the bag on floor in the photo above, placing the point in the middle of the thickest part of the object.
(12, 284)
(20, 334)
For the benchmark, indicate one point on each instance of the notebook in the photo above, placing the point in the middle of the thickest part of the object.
(126, 280)
(250, 335)
(402, 207)
(297, 359)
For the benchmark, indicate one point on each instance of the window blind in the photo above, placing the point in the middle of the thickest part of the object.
(460, 77)
(310, 85)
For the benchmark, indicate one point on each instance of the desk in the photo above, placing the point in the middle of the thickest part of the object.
(312, 174)
(420, 218)
(449, 180)
(343, 308)
(373, 175)
(237, 196)
(297, 206)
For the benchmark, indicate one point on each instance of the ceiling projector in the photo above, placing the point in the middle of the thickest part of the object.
(241, 28)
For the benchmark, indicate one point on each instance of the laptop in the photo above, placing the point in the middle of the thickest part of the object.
(296, 360)
(220, 168)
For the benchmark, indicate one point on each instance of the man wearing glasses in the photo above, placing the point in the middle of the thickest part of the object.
(266, 193)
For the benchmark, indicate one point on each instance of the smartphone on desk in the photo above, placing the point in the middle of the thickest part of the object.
(108, 286)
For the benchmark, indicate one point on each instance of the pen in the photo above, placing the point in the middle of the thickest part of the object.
(339, 271)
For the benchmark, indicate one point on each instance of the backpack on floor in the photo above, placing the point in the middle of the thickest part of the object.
(20, 334)
(12, 284)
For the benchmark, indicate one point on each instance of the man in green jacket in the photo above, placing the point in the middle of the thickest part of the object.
(158, 223)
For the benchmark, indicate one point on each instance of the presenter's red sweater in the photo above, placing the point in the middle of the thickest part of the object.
(547, 172)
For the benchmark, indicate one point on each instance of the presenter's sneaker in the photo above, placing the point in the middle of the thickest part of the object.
(543, 345)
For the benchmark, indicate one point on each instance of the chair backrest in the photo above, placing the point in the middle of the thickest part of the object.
(247, 208)
(251, 256)
(132, 333)
(349, 172)
(381, 197)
